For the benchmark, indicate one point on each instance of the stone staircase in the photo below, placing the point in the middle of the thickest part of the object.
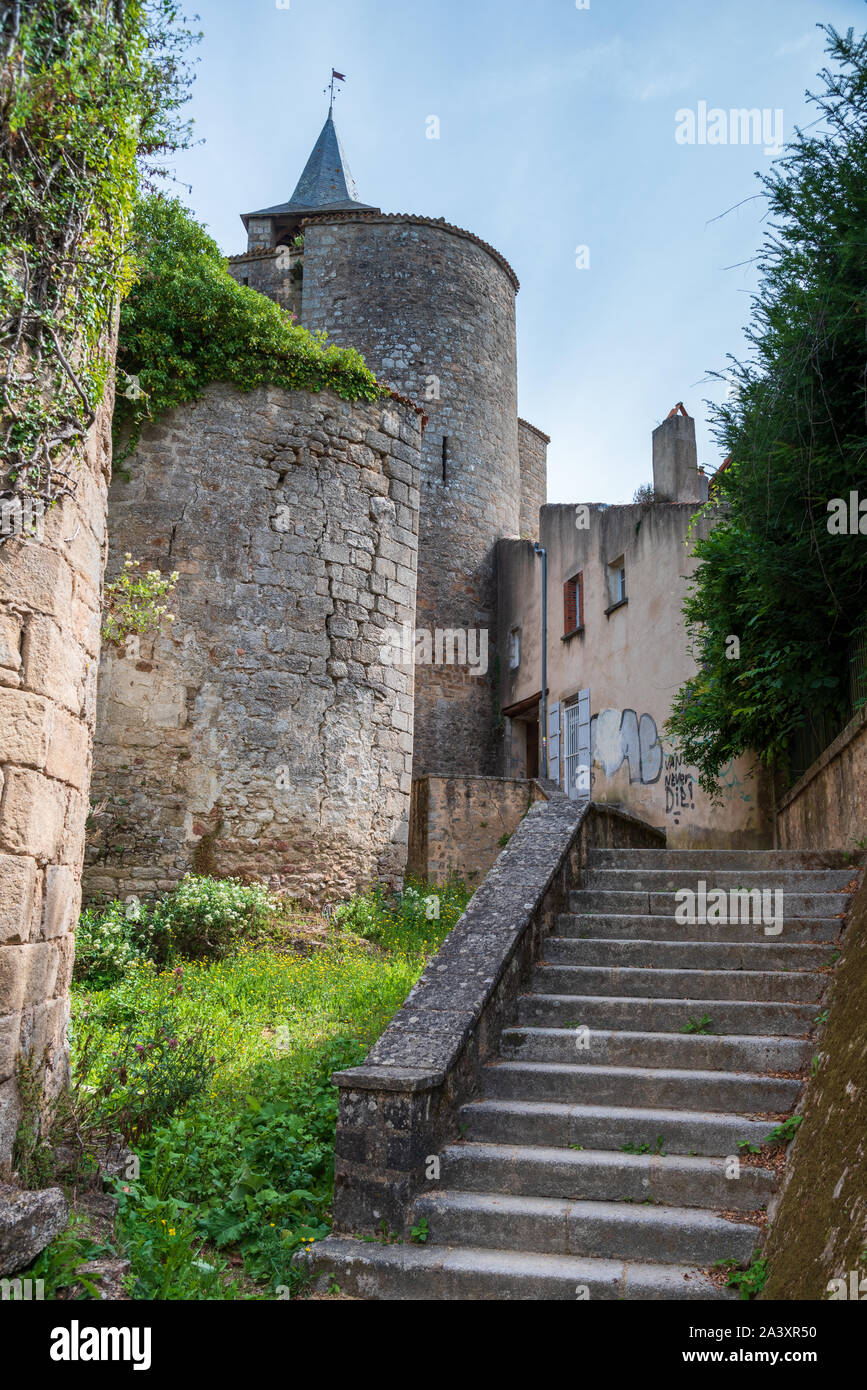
(594, 1162)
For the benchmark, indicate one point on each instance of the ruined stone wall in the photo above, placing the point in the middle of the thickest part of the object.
(460, 825)
(432, 309)
(50, 604)
(263, 735)
(276, 272)
(533, 451)
(827, 808)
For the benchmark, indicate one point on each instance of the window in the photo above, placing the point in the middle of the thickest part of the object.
(514, 648)
(445, 458)
(616, 582)
(573, 604)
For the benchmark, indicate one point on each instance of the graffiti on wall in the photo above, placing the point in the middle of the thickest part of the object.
(620, 736)
(679, 787)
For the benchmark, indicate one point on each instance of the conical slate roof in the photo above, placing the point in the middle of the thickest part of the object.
(325, 185)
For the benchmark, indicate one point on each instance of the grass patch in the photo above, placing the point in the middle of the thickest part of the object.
(218, 1073)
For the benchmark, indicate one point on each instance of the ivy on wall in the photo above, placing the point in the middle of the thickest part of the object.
(186, 323)
(89, 96)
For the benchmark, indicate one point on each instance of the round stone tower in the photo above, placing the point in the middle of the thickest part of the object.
(432, 309)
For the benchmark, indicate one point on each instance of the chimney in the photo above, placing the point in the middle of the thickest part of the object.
(675, 460)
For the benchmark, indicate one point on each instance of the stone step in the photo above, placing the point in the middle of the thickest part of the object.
(703, 1133)
(768, 953)
(790, 882)
(672, 1087)
(742, 1017)
(679, 1050)
(762, 859)
(599, 1175)
(602, 1230)
(586, 926)
(780, 986)
(415, 1273)
(795, 905)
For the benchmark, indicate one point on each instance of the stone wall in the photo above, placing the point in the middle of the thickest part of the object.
(264, 735)
(432, 309)
(533, 451)
(275, 272)
(827, 808)
(460, 825)
(50, 605)
(818, 1230)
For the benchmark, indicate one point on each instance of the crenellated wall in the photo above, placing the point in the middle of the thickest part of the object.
(533, 453)
(264, 735)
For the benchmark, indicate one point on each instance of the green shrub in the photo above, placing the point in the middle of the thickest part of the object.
(108, 941)
(201, 919)
(141, 1075)
(205, 918)
(418, 918)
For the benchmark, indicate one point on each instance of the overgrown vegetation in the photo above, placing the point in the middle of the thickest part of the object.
(89, 98)
(771, 573)
(750, 1281)
(217, 1070)
(133, 602)
(187, 323)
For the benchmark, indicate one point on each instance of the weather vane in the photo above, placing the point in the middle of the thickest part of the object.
(335, 77)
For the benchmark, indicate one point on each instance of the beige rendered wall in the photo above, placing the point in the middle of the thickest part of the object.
(632, 660)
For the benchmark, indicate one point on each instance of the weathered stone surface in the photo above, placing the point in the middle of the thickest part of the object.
(433, 312)
(50, 593)
(458, 825)
(28, 1222)
(19, 886)
(264, 736)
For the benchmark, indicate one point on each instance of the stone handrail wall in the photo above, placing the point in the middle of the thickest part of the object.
(827, 807)
(400, 1107)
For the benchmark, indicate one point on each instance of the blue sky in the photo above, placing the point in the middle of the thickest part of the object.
(557, 131)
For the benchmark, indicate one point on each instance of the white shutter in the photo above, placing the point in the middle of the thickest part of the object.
(554, 742)
(584, 736)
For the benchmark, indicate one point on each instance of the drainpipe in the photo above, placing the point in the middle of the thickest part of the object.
(543, 712)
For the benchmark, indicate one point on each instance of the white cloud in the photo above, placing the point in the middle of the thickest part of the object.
(791, 46)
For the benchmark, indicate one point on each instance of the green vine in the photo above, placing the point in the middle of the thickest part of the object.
(89, 91)
(187, 323)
